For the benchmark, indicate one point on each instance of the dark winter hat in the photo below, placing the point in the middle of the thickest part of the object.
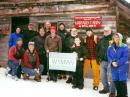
(19, 39)
(89, 29)
(62, 24)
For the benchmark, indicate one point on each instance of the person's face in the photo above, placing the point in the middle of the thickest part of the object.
(62, 27)
(19, 43)
(47, 25)
(89, 33)
(53, 32)
(107, 32)
(30, 27)
(74, 33)
(31, 48)
(18, 30)
(116, 39)
(77, 41)
(41, 32)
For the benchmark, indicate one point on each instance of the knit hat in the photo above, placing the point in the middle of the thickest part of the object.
(119, 35)
(19, 39)
(53, 28)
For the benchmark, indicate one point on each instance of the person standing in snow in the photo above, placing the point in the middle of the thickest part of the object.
(91, 43)
(118, 59)
(78, 80)
(39, 45)
(63, 34)
(69, 42)
(102, 46)
(53, 43)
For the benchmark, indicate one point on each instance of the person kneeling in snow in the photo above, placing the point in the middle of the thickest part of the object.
(118, 59)
(78, 80)
(31, 63)
(15, 55)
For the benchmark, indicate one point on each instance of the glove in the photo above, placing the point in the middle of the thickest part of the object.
(114, 64)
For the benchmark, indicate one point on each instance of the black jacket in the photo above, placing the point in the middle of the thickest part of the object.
(69, 42)
(101, 48)
(81, 52)
(39, 44)
(28, 35)
(63, 34)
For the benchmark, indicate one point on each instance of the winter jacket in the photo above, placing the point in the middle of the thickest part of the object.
(101, 48)
(69, 42)
(28, 35)
(39, 44)
(81, 52)
(53, 44)
(91, 43)
(31, 60)
(13, 39)
(15, 54)
(63, 34)
(119, 55)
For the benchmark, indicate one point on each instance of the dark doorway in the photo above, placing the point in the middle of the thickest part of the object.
(21, 21)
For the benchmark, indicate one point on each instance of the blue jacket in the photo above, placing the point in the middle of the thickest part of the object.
(120, 55)
(13, 38)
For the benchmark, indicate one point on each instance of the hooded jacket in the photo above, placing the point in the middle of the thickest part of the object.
(118, 54)
(13, 38)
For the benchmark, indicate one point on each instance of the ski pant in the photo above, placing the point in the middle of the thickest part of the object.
(95, 70)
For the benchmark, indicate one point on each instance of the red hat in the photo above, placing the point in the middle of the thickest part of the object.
(53, 28)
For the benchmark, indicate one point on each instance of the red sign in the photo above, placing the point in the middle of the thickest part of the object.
(87, 22)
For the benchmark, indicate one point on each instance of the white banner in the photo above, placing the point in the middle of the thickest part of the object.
(62, 61)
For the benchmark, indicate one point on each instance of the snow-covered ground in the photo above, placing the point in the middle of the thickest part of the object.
(11, 88)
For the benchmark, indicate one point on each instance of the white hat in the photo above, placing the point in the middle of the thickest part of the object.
(31, 43)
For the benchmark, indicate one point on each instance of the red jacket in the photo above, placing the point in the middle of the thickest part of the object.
(12, 51)
(26, 60)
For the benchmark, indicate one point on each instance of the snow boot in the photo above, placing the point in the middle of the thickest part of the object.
(25, 76)
(104, 91)
(37, 77)
(112, 95)
(69, 80)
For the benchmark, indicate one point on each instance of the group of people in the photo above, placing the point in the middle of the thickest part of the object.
(28, 55)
